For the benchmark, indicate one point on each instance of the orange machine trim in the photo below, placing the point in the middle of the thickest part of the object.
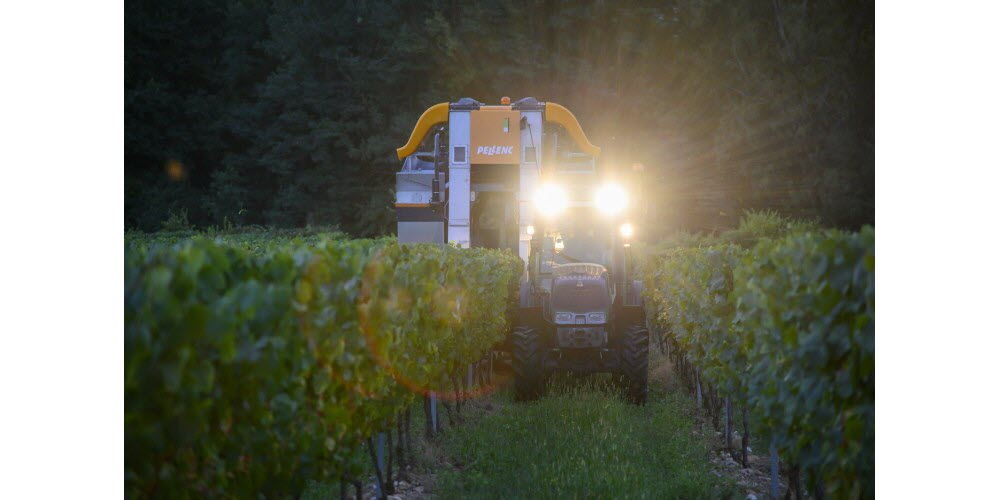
(434, 115)
(495, 136)
(558, 114)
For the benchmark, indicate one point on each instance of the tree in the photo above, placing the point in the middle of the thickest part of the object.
(288, 114)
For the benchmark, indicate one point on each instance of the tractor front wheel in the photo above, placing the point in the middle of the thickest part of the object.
(527, 363)
(635, 364)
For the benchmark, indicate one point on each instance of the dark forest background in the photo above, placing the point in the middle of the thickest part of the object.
(288, 113)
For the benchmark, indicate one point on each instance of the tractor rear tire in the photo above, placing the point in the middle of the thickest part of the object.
(527, 363)
(635, 363)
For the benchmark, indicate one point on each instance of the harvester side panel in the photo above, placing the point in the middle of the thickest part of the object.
(531, 147)
(459, 179)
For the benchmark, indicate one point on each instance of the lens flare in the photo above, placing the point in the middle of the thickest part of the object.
(551, 200)
(610, 199)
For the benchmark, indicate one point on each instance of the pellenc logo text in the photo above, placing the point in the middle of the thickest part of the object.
(495, 150)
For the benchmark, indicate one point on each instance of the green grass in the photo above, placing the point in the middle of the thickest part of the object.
(582, 441)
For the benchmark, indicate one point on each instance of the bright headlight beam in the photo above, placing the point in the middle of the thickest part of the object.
(551, 200)
(610, 199)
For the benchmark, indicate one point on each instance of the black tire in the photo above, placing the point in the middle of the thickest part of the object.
(527, 363)
(635, 363)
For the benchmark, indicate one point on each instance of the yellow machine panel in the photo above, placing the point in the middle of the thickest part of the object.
(434, 115)
(559, 114)
(495, 135)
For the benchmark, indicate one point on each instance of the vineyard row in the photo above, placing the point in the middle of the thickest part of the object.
(252, 368)
(786, 329)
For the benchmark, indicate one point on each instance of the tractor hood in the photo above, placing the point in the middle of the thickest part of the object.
(580, 288)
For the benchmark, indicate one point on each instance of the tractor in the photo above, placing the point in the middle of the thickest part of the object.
(523, 176)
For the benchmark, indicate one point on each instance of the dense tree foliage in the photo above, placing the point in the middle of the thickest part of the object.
(288, 113)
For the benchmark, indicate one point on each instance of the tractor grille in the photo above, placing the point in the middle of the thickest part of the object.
(582, 337)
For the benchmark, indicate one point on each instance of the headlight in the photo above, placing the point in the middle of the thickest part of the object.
(610, 199)
(564, 318)
(551, 200)
(596, 318)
